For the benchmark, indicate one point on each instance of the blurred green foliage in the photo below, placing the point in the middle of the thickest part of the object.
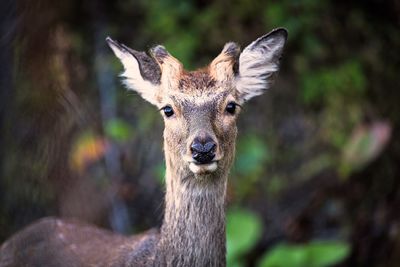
(172, 22)
(312, 254)
(119, 130)
(251, 156)
(252, 153)
(345, 81)
(160, 173)
(243, 230)
(363, 146)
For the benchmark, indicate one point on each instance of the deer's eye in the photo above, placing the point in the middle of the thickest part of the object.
(168, 111)
(231, 108)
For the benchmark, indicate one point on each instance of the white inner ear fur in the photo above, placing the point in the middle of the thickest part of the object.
(257, 63)
(133, 79)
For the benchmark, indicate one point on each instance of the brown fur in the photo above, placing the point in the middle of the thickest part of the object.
(195, 82)
(53, 242)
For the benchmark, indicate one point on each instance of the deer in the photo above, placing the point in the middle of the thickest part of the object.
(200, 109)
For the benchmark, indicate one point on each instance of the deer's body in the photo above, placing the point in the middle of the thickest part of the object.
(54, 242)
(200, 110)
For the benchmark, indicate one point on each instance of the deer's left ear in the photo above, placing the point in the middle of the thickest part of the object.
(258, 62)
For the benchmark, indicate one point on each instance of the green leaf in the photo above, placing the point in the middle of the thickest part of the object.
(327, 253)
(313, 254)
(243, 231)
(285, 256)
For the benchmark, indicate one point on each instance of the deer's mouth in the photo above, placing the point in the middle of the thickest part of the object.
(197, 168)
(203, 168)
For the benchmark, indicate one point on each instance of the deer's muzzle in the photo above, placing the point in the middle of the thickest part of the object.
(203, 150)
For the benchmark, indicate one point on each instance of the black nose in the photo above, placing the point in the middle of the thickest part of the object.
(203, 150)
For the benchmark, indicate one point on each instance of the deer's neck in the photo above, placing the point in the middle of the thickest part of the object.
(193, 232)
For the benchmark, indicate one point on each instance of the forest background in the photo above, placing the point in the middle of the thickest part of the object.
(316, 180)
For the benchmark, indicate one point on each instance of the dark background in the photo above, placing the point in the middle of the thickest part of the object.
(317, 168)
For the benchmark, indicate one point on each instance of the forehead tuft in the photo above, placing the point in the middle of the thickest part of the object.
(196, 82)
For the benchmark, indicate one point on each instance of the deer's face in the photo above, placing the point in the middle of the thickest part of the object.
(200, 108)
(200, 122)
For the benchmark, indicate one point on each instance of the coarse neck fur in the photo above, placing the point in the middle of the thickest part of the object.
(193, 232)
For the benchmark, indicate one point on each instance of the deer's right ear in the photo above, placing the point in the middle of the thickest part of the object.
(142, 73)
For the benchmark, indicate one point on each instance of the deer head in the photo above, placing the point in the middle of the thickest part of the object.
(200, 108)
